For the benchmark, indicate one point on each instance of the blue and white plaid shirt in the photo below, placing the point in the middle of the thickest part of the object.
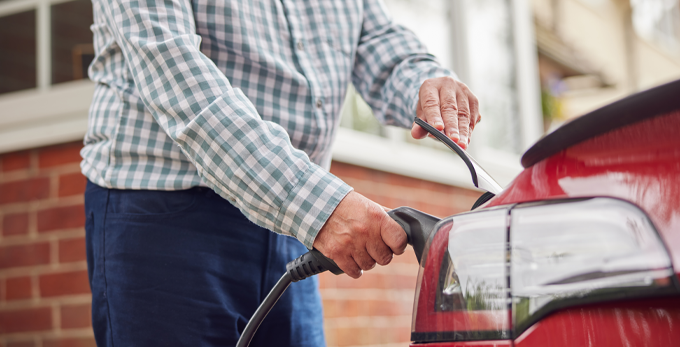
(243, 96)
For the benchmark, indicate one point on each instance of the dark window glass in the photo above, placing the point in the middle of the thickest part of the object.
(72, 49)
(17, 52)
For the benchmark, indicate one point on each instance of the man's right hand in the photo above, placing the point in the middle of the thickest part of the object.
(360, 234)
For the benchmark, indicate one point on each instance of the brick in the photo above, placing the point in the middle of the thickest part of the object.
(21, 344)
(344, 171)
(24, 255)
(18, 288)
(68, 153)
(61, 218)
(326, 280)
(72, 184)
(350, 308)
(388, 308)
(16, 161)
(71, 342)
(71, 250)
(65, 283)
(24, 190)
(15, 224)
(23, 320)
(76, 316)
(355, 336)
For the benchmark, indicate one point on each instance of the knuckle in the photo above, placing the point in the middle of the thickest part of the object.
(430, 103)
(367, 265)
(464, 112)
(362, 228)
(449, 106)
(449, 80)
(385, 259)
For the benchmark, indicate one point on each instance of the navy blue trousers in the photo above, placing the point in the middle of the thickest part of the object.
(186, 268)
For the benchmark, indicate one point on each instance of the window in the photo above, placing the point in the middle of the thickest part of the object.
(71, 40)
(18, 47)
(45, 49)
(658, 21)
(44, 43)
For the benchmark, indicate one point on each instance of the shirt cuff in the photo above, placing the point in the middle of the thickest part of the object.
(310, 204)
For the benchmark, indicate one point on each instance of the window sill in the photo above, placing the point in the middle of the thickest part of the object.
(34, 118)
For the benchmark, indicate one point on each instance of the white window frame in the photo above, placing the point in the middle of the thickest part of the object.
(48, 114)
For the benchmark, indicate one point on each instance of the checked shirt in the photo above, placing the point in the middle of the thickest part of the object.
(244, 97)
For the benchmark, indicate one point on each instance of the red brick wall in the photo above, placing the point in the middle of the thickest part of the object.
(44, 293)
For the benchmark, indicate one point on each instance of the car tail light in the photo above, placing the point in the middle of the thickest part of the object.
(493, 273)
(584, 251)
(463, 286)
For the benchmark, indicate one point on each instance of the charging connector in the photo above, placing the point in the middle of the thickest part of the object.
(417, 226)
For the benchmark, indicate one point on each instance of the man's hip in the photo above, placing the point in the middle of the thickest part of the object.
(187, 268)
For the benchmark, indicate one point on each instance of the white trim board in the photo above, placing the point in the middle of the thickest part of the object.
(354, 147)
(36, 118)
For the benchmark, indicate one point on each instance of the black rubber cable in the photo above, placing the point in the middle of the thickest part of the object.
(263, 310)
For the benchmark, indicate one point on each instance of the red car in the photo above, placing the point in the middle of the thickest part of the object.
(579, 250)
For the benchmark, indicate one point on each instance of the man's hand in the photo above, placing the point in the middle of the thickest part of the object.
(360, 234)
(447, 105)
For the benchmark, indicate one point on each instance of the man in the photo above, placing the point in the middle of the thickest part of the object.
(211, 125)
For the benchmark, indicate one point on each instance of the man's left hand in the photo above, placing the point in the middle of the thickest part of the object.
(449, 106)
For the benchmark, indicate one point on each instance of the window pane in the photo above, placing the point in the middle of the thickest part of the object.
(17, 44)
(72, 49)
(492, 72)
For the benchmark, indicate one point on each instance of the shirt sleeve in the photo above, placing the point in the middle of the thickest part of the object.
(390, 66)
(246, 160)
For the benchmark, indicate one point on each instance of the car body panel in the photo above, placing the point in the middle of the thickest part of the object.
(493, 343)
(641, 323)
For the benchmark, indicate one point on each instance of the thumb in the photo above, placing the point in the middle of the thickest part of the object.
(393, 235)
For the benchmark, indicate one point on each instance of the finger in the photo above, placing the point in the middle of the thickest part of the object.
(463, 118)
(380, 252)
(449, 110)
(429, 102)
(417, 132)
(475, 117)
(393, 235)
(363, 260)
(349, 266)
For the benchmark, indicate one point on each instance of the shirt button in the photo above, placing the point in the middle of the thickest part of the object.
(300, 46)
(319, 103)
